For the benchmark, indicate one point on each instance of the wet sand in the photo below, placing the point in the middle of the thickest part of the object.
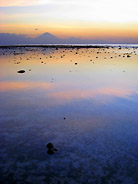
(82, 99)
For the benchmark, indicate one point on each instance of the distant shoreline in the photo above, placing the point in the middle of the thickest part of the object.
(72, 45)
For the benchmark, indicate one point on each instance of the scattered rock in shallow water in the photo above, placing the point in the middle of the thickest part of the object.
(50, 152)
(21, 71)
(50, 146)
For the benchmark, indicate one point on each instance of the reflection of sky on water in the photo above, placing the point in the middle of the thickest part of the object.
(97, 141)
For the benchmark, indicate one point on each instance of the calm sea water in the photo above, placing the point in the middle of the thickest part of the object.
(84, 101)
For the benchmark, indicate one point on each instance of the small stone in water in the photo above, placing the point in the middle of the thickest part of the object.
(21, 71)
(50, 146)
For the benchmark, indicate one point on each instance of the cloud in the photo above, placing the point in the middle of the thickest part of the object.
(10, 3)
(17, 3)
(96, 10)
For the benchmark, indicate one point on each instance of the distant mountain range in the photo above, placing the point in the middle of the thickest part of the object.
(47, 38)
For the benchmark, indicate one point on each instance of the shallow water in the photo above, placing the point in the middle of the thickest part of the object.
(89, 110)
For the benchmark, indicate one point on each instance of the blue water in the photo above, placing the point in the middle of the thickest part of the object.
(88, 110)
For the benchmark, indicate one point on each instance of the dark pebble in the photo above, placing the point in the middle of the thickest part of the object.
(21, 71)
(50, 146)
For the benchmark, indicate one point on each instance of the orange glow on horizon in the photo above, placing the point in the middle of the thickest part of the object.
(87, 32)
(71, 18)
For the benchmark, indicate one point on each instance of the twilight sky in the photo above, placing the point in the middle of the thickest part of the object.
(67, 18)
